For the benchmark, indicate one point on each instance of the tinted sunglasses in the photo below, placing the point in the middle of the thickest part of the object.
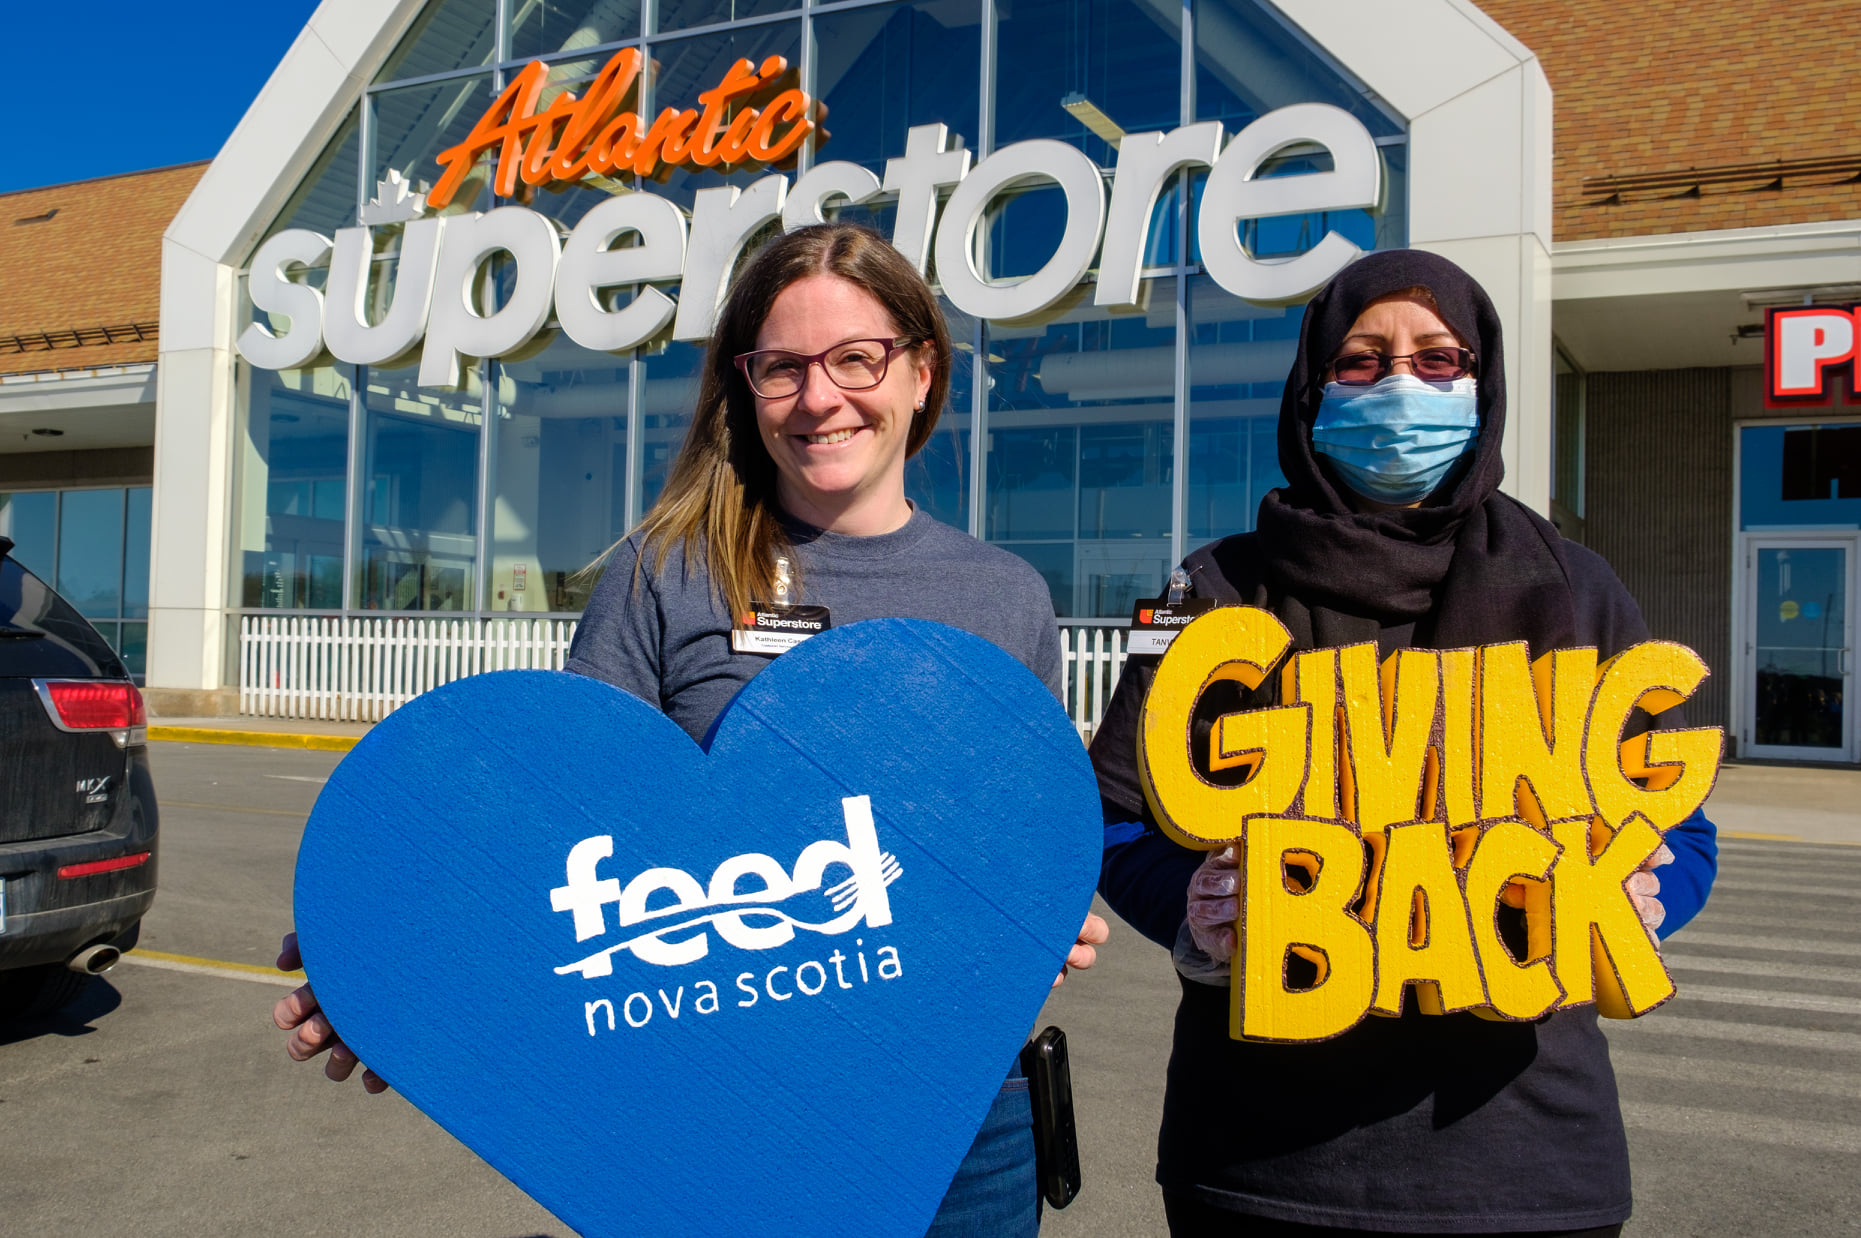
(1434, 365)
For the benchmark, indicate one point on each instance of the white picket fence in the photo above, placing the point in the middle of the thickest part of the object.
(360, 669)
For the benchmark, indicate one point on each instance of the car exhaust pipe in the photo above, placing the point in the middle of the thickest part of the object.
(94, 960)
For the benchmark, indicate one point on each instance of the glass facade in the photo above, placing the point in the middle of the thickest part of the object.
(1100, 446)
(93, 547)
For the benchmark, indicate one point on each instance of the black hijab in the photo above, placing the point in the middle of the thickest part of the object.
(1470, 565)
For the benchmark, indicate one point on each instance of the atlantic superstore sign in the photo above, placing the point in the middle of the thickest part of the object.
(757, 117)
(1809, 354)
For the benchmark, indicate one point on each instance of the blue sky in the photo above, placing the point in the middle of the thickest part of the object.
(110, 86)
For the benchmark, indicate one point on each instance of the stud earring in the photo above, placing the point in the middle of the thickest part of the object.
(920, 406)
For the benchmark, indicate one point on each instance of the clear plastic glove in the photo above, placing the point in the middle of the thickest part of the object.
(299, 1014)
(1644, 887)
(1206, 943)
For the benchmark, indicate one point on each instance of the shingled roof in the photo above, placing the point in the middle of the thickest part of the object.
(80, 269)
(1687, 117)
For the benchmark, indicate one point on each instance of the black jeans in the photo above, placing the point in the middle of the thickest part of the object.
(1191, 1218)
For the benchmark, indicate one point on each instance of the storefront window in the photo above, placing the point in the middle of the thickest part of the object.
(449, 34)
(1080, 455)
(937, 478)
(883, 69)
(546, 27)
(413, 124)
(687, 67)
(1791, 476)
(419, 534)
(93, 547)
(326, 200)
(31, 520)
(686, 14)
(1247, 64)
(1239, 355)
(559, 467)
(1567, 447)
(668, 394)
(1063, 64)
(290, 497)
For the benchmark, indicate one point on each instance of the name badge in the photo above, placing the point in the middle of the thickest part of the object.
(772, 628)
(1155, 622)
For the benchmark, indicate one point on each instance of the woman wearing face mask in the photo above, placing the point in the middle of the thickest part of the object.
(1391, 528)
(826, 372)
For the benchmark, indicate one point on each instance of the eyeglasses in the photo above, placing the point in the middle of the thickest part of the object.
(856, 365)
(1435, 365)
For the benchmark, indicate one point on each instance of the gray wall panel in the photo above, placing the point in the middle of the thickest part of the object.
(1659, 508)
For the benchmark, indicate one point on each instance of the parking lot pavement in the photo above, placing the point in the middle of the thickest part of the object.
(163, 1104)
(1743, 1094)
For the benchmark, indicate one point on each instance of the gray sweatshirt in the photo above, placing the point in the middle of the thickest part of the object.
(665, 636)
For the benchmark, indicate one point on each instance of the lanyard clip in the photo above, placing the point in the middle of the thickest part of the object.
(781, 582)
(1179, 585)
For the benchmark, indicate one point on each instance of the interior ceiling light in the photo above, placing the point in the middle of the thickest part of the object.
(1092, 117)
(1822, 295)
(47, 432)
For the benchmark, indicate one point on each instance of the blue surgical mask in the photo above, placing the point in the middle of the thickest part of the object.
(1395, 440)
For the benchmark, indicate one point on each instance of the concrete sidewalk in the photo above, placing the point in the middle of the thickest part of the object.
(1798, 803)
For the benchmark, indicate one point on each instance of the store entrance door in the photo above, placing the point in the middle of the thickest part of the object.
(1797, 664)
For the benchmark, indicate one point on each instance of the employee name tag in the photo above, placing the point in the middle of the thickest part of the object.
(772, 628)
(1155, 622)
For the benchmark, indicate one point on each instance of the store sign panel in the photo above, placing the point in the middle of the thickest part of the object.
(643, 242)
(1805, 352)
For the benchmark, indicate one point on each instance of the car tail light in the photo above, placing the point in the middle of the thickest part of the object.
(80, 705)
(116, 865)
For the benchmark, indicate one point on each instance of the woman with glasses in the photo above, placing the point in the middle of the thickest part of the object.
(1391, 528)
(828, 369)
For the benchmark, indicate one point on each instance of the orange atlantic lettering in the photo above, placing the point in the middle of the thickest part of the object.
(752, 115)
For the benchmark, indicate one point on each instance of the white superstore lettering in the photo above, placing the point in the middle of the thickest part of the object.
(433, 307)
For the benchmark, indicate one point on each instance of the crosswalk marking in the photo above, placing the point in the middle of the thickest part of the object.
(1735, 1074)
(1684, 960)
(1744, 1127)
(1715, 917)
(1819, 1002)
(1795, 945)
(1668, 1021)
(1781, 887)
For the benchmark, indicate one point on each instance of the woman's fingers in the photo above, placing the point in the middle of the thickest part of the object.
(1660, 857)
(373, 1083)
(312, 1037)
(289, 958)
(294, 1007)
(1095, 932)
(342, 1062)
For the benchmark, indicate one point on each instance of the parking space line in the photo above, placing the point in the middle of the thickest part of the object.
(214, 967)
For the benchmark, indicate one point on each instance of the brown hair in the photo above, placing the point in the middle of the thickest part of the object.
(719, 503)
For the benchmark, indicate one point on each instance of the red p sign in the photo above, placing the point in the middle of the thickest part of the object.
(1801, 346)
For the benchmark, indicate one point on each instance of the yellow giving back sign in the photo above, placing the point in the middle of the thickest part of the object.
(1464, 821)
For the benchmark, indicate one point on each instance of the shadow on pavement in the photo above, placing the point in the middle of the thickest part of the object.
(99, 999)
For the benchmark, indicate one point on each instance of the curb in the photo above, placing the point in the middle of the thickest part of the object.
(256, 739)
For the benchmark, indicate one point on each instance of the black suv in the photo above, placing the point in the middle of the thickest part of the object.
(77, 807)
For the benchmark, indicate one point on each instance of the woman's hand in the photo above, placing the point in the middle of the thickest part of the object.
(311, 1033)
(1644, 886)
(1214, 903)
(1094, 932)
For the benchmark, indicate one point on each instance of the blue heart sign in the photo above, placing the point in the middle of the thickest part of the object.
(771, 987)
